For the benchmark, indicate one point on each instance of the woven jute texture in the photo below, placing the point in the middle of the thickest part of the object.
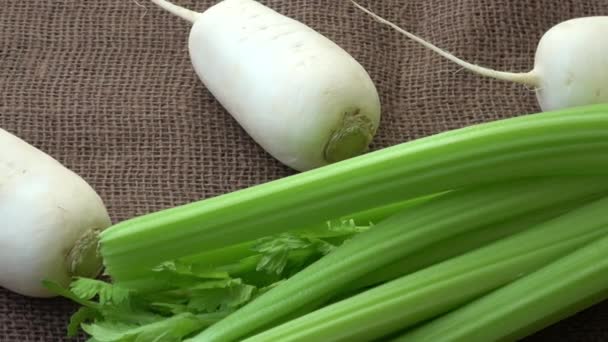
(107, 88)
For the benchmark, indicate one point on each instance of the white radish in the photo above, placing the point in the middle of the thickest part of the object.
(570, 65)
(300, 96)
(49, 220)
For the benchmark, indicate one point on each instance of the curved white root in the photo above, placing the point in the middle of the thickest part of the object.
(179, 11)
(527, 78)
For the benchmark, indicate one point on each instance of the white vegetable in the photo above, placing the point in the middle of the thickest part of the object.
(49, 220)
(570, 67)
(300, 96)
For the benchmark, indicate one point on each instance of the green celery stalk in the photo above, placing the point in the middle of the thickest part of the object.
(241, 260)
(560, 289)
(233, 253)
(566, 142)
(536, 324)
(458, 245)
(436, 253)
(402, 234)
(435, 290)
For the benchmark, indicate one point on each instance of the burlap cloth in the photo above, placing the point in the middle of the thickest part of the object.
(107, 88)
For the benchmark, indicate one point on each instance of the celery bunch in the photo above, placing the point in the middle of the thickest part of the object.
(414, 240)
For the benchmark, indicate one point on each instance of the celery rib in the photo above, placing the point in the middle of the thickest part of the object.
(458, 245)
(567, 285)
(442, 287)
(241, 258)
(402, 234)
(569, 142)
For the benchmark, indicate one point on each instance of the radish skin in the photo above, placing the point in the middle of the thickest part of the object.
(300, 96)
(570, 64)
(50, 218)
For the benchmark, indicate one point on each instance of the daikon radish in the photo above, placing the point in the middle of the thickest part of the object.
(299, 95)
(49, 220)
(570, 67)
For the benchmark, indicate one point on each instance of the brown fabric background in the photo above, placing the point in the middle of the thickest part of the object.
(107, 88)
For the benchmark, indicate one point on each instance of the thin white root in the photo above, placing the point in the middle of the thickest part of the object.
(527, 78)
(142, 6)
(179, 11)
(138, 4)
